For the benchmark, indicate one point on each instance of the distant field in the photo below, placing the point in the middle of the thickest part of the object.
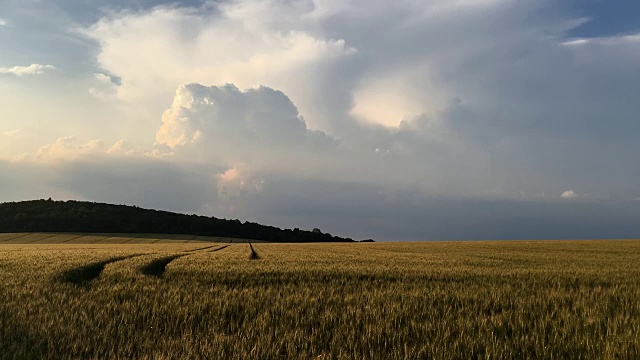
(58, 238)
(482, 300)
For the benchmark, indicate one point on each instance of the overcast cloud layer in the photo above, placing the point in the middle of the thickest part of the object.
(443, 119)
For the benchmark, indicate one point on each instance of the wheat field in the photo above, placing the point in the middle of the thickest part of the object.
(206, 300)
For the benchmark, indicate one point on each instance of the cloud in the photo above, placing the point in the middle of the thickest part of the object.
(3, 23)
(344, 208)
(609, 40)
(372, 63)
(124, 147)
(68, 147)
(10, 132)
(140, 181)
(370, 211)
(135, 180)
(439, 119)
(260, 127)
(237, 188)
(244, 52)
(105, 87)
(33, 69)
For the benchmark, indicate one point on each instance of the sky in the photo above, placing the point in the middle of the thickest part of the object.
(397, 121)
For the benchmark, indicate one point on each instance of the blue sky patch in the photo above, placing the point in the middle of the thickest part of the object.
(608, 17)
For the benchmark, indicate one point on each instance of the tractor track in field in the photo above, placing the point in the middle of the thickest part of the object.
(73, 238)
(199, 249)
(83, 275)
(17, 237)
(128, 241)
(158, 267)
(254, 254)
(220, 248)
(44, 238)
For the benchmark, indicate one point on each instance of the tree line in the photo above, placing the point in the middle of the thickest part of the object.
(91, 217)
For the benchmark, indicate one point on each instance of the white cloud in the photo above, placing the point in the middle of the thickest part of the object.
(33, 69)
(229, 45)
(10, 132)
(3, 23)
(124, 147)
(68, 147)
(609, 40)
(104, 87)
(569, 194)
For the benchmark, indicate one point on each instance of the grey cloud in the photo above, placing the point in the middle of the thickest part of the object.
(137, 181)
(342, 208)
(20, 181)
(363, 211)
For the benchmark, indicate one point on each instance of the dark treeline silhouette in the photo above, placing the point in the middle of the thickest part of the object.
(89, 217)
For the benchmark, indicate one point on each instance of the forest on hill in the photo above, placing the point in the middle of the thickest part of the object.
(90, 217)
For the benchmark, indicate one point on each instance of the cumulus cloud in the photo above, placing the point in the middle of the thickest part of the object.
(258, 126)
(33, 69)
(227, 44)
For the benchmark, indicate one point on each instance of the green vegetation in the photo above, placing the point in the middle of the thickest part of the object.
(46, 216)
(465, 300)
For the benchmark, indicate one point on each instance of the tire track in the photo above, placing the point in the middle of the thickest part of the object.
(44, 238)
(158, 267)
(220, 248)
(17, 237)
(73, 238)
(202, 248)
(254, 255)
(83, 275)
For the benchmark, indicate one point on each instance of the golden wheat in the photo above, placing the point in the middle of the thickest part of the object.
(482, 300)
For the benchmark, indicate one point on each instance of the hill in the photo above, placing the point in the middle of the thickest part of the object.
(90, 217)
